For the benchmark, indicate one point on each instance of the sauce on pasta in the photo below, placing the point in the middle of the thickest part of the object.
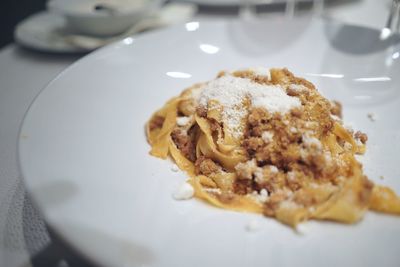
(268, 142)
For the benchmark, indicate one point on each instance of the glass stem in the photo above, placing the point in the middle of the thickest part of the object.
(290, 8)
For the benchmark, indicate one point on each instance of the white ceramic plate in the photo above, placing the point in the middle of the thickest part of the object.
(84, 155)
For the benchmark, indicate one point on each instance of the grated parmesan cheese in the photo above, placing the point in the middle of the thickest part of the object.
(335, 118)
(196, 92)
(273, 169)
(358, 142)
(183, 192)
(261, 197)
(297, 87)
(213, 190)
(310, 124)
(287, 204)
(302, 229)
(267, 136)
(246, 169)
(347, 146)
(328, 157)
(183, 121)
(259, 175)
(231, 92)
(174, 168)
(291, 176)
(261, 71)
(310, 141)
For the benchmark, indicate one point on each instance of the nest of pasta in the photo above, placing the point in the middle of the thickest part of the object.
(268, 142)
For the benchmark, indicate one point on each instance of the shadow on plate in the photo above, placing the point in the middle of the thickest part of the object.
(103, 246)
(56, 192)
(362, 67)
(249, 36)
(358, 40)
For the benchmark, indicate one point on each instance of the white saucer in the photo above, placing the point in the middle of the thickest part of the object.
(45, 31)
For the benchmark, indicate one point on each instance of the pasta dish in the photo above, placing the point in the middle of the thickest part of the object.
(266, 141)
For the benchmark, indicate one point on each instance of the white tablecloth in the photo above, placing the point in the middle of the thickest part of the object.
(23, 74)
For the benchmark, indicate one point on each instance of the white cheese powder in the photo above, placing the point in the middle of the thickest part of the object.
(273, 169)
(302, 229)
(297, 87)
(263, 195)
(183, 192)
(261, 71)
(335, 118)
(260, 197)
(291, 176)
(213, 190)
(267, 136)
(287, 204)
(174, 168)
(311, 141)
(196, 92)
(246, 169)
(259, 175)
(183, 121)
(231, 92)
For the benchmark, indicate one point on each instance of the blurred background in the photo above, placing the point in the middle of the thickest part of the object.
(357, 12)
(12, 12)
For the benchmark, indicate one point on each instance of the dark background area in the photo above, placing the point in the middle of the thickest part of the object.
(14, 11)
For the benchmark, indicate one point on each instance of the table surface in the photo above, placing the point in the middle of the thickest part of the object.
(23, 73)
